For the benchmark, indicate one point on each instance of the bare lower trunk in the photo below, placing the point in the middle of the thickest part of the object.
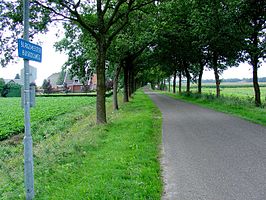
(115, 87)
(152, 85)
(188, 78)
(188, 84)
(174, 83)
(256, 88)
(169, 84)
(100, 70)
(217, 82)
(200, 77)
(180, 83)
(256, 83)
(216, 74)
(131, 81)
(255, 62)
(135, 84)
(126, 97)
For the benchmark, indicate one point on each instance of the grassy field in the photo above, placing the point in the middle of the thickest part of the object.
(47, 108)
(84, 161)
(237, 105)
(229, 89)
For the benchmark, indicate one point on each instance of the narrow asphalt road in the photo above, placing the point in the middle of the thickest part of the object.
(209, 155)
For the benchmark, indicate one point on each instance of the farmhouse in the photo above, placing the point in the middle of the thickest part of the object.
(72, 84)
(75, 85)
(17, 81)
(54, 79)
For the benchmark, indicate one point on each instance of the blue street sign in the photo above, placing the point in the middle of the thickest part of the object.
(29, 50)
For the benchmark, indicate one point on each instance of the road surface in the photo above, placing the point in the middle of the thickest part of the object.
(207, 155)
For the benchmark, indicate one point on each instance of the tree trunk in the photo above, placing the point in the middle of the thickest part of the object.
(134, 84)
(115, 87)
(130, 70)
(188, 77)
(216, 74)
(101, 88)
(256, 85)
(188, 81)
(126, 98)
(180, 83)
(200, 76)
(131, 80)
(255, 61)
(169, 84)
(174, 83)
(152, 85)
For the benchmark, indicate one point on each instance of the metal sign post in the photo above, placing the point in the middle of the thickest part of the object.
(28, 155)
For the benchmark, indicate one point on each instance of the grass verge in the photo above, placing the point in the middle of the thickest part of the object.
(240, 107)
(118, 160)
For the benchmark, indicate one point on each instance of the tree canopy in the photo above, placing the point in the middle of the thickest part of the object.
(147, 40)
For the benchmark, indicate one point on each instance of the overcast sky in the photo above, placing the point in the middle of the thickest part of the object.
(52, 62)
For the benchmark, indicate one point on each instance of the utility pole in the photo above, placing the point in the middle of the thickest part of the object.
(28, 155)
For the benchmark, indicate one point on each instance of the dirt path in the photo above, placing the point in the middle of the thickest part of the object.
(208, 155)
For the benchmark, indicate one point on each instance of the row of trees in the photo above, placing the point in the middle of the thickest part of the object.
(138, 41)
(213, 34)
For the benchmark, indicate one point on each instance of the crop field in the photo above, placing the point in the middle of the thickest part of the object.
(47, 108)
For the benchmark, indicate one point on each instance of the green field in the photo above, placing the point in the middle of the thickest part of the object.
(231, 89)
(237, 99)
(118, 160)
(47, 108)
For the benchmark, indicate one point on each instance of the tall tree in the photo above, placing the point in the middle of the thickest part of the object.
(176, 39)
(102, 20)
(252, 23)
(2, 84)
(214, 21)
(130, 44)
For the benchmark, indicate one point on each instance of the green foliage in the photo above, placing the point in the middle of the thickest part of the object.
(2, 84)
(47, 87)
(47, 108)
(14, 90)
(61, 77)
(252, 21)
(11, 28)
(81, 50)
(10, 89)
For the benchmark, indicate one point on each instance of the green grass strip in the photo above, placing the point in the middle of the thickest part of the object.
(119, 160)
(234, 105)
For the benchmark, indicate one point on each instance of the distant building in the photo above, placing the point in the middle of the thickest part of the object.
(93, 82)
(53, 79)
(18, 81)
(75, 85)
(72, 84)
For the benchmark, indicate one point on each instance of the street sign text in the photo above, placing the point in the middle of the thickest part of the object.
(29, 50)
